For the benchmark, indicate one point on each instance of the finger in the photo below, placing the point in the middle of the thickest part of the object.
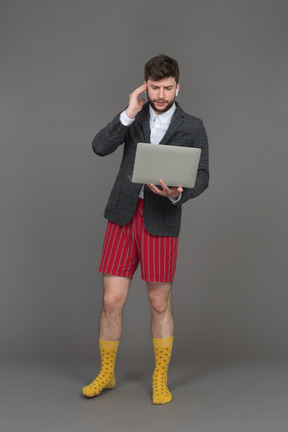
(144, 86)
(140, 89)
(177, 188)
(164, 186)
(155, 189)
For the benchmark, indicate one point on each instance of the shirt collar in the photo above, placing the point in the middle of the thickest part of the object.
(163, 118)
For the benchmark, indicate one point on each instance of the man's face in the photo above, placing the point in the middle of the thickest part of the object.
(161, 94)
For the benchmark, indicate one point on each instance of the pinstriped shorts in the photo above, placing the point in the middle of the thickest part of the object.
(126, 246)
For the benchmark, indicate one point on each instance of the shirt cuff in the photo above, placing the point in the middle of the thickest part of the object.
(125, 120)
(175, 201)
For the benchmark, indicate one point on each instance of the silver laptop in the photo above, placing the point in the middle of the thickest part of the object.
(175, 165)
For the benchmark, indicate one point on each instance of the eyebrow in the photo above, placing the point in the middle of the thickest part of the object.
(154, 85)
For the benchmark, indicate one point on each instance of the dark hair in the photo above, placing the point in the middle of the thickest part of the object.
(160, 67)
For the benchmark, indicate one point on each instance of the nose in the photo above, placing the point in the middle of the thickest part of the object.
(161, 93)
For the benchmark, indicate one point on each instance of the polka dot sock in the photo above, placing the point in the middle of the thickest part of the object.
(106, 377)
(162, 349)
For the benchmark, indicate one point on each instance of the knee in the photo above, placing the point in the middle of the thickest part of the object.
(159, 304)
(112, 302)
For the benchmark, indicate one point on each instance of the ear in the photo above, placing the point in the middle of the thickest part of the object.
(177, 89)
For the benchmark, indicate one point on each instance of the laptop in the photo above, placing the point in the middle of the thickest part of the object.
(175, 165)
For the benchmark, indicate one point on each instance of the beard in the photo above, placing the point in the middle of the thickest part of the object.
(160, 110)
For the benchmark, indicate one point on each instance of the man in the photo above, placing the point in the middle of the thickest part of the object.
(144, 220)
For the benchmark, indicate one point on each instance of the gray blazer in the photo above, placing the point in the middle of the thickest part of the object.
(161, 217)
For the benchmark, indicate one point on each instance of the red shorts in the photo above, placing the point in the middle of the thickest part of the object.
(125, 246)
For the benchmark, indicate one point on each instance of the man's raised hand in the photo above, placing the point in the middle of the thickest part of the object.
(135, 105)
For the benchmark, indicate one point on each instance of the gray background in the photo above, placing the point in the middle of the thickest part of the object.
(67, 67)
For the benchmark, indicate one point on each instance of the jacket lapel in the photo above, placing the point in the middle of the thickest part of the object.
(143, 122)
(175, 124)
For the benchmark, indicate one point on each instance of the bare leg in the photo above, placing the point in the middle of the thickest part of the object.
(110, 329)
(159, 296)
(114, 297)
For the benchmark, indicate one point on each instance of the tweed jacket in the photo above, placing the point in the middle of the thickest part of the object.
(161, 216)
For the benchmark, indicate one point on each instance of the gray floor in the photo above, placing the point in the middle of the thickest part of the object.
(233, 397)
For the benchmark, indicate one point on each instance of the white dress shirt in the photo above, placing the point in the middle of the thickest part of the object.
(158, 127)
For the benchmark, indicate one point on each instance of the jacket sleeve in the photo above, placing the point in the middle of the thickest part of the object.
(109, 138)
(202, 179)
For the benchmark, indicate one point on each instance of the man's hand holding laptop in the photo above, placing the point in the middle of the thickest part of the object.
(169, 192)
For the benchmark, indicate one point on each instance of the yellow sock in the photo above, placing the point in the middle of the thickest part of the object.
(162, 349)
(106, 377)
